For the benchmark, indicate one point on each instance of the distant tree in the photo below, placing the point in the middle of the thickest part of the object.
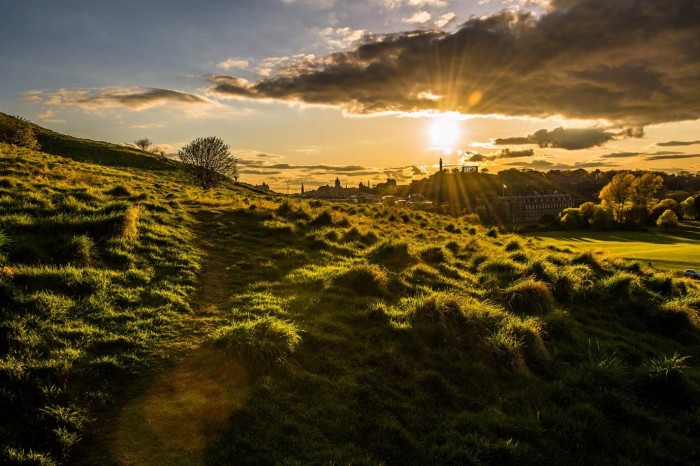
(667, 220)
(662, 206)
(572, 218)
(643, 193)
(143, 144)
(207, 162)
(587, 209)
(690, 207)
(602, 218)
(19, 131)
(617, 195)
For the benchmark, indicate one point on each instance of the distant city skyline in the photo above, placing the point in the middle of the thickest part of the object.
(310, 90)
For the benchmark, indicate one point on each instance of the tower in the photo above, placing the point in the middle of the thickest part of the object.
(302, 187)
(440, 164)
(337, 183)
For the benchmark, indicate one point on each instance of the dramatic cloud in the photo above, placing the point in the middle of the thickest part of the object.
(678, 143)
(134, 98)
(570, 138)
(629, 62)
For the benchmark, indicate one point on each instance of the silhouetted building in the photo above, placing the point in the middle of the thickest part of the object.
(531, 209)
(337, 183)
(302, 188)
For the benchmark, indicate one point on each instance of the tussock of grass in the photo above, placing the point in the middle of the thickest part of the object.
(366, 280)
(260, 339)
(529, 297)
(395, 255)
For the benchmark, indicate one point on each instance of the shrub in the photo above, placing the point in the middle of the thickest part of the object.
(261, 339)
(530, 297)
(18, 131)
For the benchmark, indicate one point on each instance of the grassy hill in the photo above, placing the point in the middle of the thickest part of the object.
(142, 322)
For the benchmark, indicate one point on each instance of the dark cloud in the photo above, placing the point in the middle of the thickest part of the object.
(417, 170)
(476, 157)
(545, 164)
(135, 98)
(533, 164)
(511, 154)
(620, 155)
(259, 172)
(673, 156)
(565, 138)
(677, 143)
(632, 62)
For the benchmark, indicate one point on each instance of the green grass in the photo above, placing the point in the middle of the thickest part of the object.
(142, 322)
(678, 249)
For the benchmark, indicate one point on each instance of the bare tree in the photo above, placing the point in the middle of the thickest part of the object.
(207, 162)
(143, 144)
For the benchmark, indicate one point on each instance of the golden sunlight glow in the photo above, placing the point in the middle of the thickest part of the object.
(444, 131)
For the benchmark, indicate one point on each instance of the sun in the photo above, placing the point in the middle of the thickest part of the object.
(444, 131)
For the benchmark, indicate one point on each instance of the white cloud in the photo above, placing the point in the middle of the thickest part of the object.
(444, 20)
(341, 38)
(49, 116)
(234, 63)
(391, 4)
(419, 17)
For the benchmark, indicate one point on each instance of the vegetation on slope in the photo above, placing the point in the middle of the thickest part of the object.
(364, 334)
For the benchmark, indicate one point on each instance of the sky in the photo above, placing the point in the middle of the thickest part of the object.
(310, 90)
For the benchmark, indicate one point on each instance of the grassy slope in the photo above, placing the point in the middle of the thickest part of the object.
(676, 250)
(320, 333)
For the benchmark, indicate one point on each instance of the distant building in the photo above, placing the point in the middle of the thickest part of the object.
(531, 209)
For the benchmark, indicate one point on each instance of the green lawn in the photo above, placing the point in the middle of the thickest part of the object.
(676, 250)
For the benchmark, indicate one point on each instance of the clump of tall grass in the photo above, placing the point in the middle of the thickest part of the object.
(83, 250)
(529, 297)
(292, 212)
(328, 218)
(366, 280)
(119, 191)
(434, 255)
(265, 339)
(513, 245)
(130, 223)
(663, 380)
(393, 254)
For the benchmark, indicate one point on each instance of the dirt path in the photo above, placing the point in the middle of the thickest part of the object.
(188, 403)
